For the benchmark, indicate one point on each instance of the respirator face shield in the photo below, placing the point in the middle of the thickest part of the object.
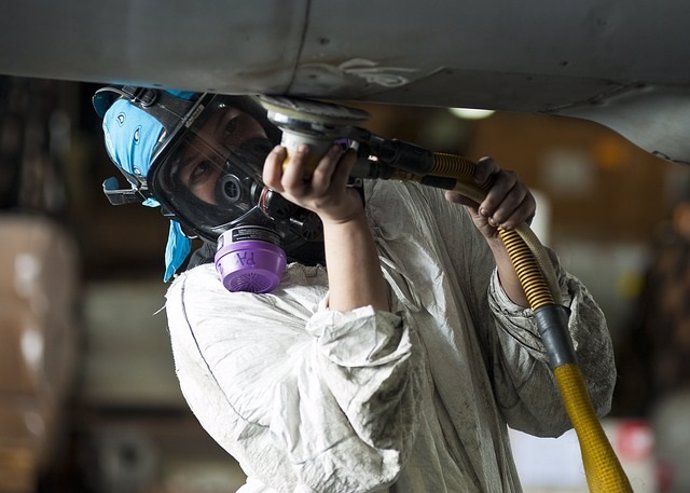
(200, 158)
(209, 175)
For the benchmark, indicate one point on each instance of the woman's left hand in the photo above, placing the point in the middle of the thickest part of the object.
(507, 203)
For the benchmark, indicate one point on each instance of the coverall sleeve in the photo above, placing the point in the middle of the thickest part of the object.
(304, 398)
(525, 387)
(523, 383)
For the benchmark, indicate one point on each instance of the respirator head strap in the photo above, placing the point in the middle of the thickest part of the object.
(141, 96)
(122, 196)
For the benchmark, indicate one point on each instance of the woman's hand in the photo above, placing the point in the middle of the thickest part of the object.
(354, 272)
(326, 193)
(507, 203)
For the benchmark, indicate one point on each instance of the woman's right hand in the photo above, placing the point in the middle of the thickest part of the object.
(354, 272)
(326, 193)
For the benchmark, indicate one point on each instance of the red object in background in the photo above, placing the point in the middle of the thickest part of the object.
(634, 440)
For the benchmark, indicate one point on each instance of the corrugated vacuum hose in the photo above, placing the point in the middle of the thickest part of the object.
(603, 470)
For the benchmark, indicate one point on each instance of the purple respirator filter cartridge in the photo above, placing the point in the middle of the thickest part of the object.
(249, 258)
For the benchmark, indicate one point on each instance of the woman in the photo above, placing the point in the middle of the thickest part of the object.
(397, 347)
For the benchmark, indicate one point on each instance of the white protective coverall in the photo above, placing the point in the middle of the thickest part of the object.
(412, 400)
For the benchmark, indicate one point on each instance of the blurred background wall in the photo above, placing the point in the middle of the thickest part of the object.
(89, 401)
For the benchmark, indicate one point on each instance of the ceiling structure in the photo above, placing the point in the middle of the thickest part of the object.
(622, 64)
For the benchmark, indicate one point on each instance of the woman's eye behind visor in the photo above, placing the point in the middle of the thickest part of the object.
(224, 178)
(211, 175)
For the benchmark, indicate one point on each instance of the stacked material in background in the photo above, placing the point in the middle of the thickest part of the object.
(38, 340)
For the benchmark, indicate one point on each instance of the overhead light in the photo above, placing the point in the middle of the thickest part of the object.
(471, 113)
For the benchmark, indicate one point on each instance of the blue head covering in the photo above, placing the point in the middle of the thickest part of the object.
(131, 136)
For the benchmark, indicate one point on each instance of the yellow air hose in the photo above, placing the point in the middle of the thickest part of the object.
(534, 269)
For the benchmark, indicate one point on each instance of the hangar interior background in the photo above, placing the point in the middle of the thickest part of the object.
(88, 396)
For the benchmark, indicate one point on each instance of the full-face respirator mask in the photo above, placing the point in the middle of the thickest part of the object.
(204, 170)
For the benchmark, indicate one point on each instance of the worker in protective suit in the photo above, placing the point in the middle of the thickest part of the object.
(395, 348)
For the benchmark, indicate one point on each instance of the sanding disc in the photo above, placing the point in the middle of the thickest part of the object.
(282, 109)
